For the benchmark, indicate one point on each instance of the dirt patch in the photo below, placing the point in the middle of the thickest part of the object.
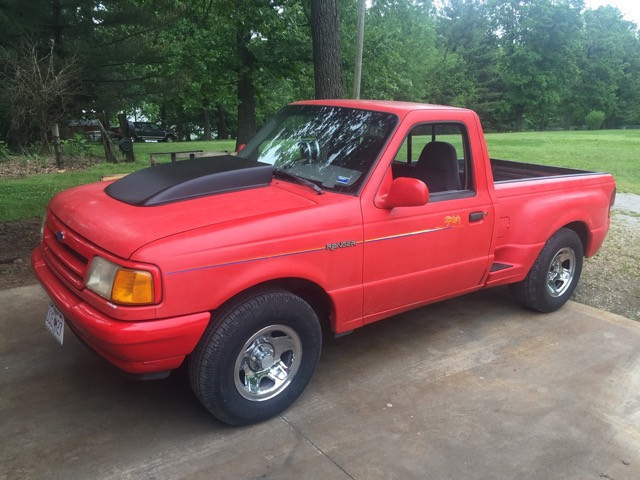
(610, 280)
(17, 241)
(21, 166)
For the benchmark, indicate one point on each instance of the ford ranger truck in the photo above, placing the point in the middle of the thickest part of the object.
(337, 214)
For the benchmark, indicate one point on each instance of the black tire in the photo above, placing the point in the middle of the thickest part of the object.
(169, 138)
(554, 275)
(262, 333)
(125, 145)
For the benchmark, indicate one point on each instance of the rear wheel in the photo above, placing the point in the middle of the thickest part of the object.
(257, 357)
(554, 275)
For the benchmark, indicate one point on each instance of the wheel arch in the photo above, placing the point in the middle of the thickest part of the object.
(550, 281)
(580, 228)
(309, 291)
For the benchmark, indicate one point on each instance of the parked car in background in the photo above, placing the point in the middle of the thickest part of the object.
(142, 131)
(89, 128)
(93, 135)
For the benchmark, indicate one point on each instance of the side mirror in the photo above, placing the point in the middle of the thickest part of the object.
(405, 192)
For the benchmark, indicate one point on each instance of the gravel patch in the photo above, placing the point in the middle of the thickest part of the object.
(627, 209)
(611, 279)
(627, 202)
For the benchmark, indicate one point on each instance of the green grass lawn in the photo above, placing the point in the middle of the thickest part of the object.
(614, 151)
(27, 197)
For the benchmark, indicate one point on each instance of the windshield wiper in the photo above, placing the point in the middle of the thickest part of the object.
(279, 172)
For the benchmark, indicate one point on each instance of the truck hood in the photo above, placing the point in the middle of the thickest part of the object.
(198, 177)
(121, 228)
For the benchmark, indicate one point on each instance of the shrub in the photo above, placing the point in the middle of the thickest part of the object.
(36, 90)
(594, 120)
(78, 146)
(4, 152)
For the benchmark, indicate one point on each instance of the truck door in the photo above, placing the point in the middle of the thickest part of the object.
(154, 131)
(413, 255)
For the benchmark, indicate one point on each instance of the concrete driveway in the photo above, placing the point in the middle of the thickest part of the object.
(470, 388)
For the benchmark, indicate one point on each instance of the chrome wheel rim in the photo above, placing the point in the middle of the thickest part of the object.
(561, 272)
(268, 362)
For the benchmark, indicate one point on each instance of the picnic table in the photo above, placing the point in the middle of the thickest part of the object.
(187, 154)
(174, 155)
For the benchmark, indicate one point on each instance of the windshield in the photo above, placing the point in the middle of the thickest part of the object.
(333, 147)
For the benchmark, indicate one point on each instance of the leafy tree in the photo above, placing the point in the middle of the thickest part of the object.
(242, 55)
(111, 41)
(201, 67)
(223, 67)
(609, 68)
(538, 46)
(465, 29)
(402, 60)
(399, 45)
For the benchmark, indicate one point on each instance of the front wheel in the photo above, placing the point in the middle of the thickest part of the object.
(554, 275)
(257, 357)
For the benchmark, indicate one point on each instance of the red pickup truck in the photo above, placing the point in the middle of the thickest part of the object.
(337, 214)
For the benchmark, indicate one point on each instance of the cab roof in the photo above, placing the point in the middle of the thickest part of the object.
(399, 108)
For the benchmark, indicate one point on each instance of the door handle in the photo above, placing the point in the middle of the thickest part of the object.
(476, 216)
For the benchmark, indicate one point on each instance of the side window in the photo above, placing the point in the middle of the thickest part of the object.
(438, 154)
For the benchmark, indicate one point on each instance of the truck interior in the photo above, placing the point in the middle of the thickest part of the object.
(437, 164)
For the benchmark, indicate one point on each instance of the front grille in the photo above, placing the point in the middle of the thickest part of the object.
(67, 254)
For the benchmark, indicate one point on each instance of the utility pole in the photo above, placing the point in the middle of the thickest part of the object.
(362, 8)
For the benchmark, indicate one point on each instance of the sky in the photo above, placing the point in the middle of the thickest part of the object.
(629, 8)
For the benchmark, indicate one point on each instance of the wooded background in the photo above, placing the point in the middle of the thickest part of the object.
(221, 67)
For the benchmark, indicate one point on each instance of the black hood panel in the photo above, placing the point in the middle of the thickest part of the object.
(172, 182)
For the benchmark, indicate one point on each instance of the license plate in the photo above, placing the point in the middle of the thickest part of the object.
(55, 323)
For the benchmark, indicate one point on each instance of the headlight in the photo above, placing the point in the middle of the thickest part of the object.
(119, 284)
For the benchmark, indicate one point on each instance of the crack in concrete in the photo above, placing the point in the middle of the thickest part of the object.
(318, 449)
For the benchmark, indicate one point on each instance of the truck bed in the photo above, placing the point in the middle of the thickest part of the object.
(509, 171)
(534, 200)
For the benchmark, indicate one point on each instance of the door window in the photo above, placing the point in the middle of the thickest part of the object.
(438, 154)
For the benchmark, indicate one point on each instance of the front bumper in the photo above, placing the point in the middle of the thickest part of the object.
(141, 347)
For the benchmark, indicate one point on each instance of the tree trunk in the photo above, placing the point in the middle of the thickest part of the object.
(163, 114)
(126, 133)
(221, 123)
(325, 35)
(519, 121)
(207, 123)
(107, 144)
(55, 131)
(56, 22)
(246, 89)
